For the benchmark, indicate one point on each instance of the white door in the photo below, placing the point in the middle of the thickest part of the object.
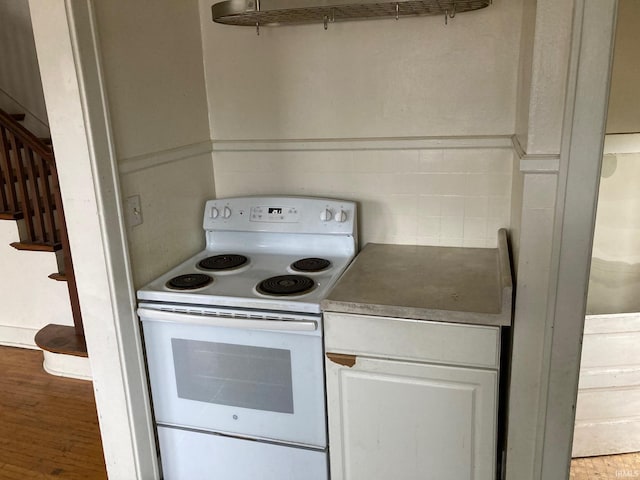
(411, 421)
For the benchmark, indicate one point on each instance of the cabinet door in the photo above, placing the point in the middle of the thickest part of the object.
(411, 421)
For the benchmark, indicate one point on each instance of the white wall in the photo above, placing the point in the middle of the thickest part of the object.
(172, 199)
(546, 31)
(527, 36)
(437, 196)
(376, 78)
(395, 81)
(30, 300)
(615, 267)
(615, 270)
(624, 101)
(617, 235)
(20, 86)
(154, 79)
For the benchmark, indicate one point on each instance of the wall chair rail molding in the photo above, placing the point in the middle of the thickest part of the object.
(154, 159)
(536, 163)
(329, 144)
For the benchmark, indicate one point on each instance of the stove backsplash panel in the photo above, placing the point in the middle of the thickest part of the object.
(441, 196)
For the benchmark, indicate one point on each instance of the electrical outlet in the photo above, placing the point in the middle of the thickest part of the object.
(133, 211)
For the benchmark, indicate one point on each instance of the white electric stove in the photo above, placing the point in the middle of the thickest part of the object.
(234, 340)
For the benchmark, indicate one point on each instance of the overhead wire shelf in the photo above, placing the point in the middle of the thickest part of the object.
(256, 13)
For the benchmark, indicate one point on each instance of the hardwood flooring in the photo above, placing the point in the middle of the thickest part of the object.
(48, 425)
(49, 428)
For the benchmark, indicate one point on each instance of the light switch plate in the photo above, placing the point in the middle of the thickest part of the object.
(133, 210)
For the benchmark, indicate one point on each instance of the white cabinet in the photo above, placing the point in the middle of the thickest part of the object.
(407, 419)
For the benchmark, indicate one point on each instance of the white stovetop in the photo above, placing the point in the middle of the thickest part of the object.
(273, 232)
(236, 288)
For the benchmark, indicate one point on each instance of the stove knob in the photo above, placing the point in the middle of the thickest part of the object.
(341, 216)
(326, 215)
(214, 212)
(227, 212)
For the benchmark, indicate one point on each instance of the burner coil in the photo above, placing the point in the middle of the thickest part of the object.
(223, 262)
(311, 264)
(286, 285)
(189, 281)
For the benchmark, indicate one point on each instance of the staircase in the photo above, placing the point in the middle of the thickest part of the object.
(30, 195)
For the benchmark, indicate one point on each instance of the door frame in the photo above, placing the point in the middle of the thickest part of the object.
(110, 321)
(66, 37)
(578, 181)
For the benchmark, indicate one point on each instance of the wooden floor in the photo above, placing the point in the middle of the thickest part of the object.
(48, 425)
(606, 467)
(49, 428)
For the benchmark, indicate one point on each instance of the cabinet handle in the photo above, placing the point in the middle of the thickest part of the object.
(342, 359)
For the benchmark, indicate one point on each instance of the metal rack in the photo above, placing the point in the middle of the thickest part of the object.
(257, 13)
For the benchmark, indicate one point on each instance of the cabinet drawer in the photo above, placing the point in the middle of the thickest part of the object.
(418, 340)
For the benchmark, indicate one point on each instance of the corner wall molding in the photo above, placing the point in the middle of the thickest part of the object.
(154, 159)
(547, 163)
(400, 143)
(622, 143)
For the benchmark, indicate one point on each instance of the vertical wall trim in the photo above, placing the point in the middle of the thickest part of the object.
(581, 156)
(124, 363)
(78, 111)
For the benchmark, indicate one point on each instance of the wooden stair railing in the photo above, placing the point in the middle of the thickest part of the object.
(30, 193)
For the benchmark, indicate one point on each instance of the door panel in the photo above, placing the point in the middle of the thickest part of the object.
(188, 455)
(409, 421)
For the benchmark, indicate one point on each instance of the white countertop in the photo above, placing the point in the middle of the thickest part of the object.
(451, 284)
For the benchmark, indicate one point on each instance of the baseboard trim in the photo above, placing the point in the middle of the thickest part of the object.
(69, 366)
(606, 437)
(20, 337)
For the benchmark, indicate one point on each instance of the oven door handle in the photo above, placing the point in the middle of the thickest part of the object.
(229, 322)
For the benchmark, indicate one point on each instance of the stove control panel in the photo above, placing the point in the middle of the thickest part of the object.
(327, 215)
(273, 213)
(281, 214)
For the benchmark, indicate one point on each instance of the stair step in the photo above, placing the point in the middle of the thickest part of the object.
(37, 247)
(61, 339)
(18, 117)
(58, 277)
(11, 215)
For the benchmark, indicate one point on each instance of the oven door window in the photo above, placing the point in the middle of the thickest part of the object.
(254, 383)
(245, 376)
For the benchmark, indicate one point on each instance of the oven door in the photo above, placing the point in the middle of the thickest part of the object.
(253, 377)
